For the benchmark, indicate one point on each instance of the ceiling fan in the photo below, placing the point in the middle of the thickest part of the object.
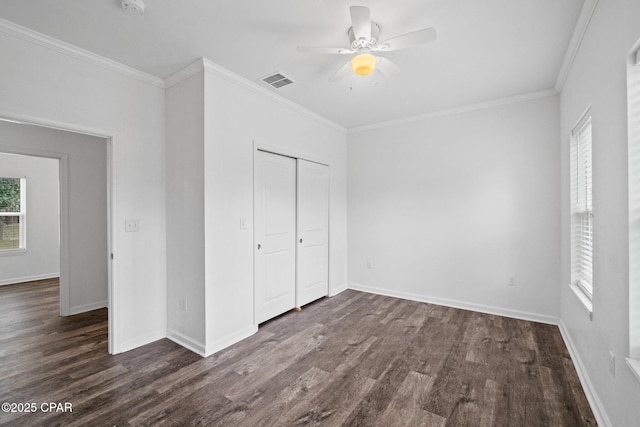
(364, 40)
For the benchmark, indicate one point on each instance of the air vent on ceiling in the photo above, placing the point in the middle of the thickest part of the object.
(277, 80)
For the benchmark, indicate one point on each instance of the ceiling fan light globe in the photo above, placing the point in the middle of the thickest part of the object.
(363, 64)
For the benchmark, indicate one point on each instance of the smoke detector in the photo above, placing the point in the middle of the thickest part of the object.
(133, 6)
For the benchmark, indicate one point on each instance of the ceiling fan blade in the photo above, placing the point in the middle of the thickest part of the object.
(361, 22)
(329, 50)
(343, 72)
(407, 40)
(385, 66)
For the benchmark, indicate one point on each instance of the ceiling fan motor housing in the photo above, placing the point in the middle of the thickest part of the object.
(357, 44)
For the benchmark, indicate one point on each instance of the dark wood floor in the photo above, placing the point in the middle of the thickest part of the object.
(354, 359)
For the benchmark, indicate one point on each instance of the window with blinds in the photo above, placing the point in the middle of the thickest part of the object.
(633, 122)
(581, 206)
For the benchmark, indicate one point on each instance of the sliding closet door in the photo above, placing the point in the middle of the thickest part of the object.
(275, 234)
(313, 232)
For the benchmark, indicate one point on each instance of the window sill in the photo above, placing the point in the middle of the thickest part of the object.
(12, 252)
(634, 365)
(584, 299)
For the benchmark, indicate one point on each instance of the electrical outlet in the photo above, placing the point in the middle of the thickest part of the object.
(243, 223)
(131, 225)
(184, 304)
(513, 281)
(369, 265)
(612, 364)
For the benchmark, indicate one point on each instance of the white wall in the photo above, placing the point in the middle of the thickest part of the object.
(86, 190)
(236, 114)
(42, 258)
(185, 212)
(598, 78)
(51, 84)
(446, 209)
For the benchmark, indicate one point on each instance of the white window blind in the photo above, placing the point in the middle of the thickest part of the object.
(581, 206)
(633, 122)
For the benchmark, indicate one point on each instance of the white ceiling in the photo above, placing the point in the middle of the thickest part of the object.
(486, 49)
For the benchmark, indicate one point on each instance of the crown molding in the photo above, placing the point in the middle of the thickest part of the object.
(580, 29)
(39, 39)
(266, 93)
(184, 73)
(459, 110)
(205, 65)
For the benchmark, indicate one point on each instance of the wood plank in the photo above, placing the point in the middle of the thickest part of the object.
(407, 402)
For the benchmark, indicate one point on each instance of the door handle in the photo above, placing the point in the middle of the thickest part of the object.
(300, 240)
(259, 246)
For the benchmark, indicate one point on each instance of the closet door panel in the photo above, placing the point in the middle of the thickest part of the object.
(275, 234)
(312, 280)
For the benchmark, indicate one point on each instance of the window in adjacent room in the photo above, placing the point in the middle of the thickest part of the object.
(582, 207)
(12, 215)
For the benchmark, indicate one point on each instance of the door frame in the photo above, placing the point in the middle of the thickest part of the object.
(63, 158)
(287, 152)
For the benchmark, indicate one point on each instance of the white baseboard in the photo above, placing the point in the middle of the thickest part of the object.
(140, 341)
(186, 342)
(24, 279)
(230, 339)
(216, 346)
(87, 307)
(523, 315)
(589, 390)
(335, 292)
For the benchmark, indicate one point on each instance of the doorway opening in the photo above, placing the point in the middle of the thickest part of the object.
(83, 203)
